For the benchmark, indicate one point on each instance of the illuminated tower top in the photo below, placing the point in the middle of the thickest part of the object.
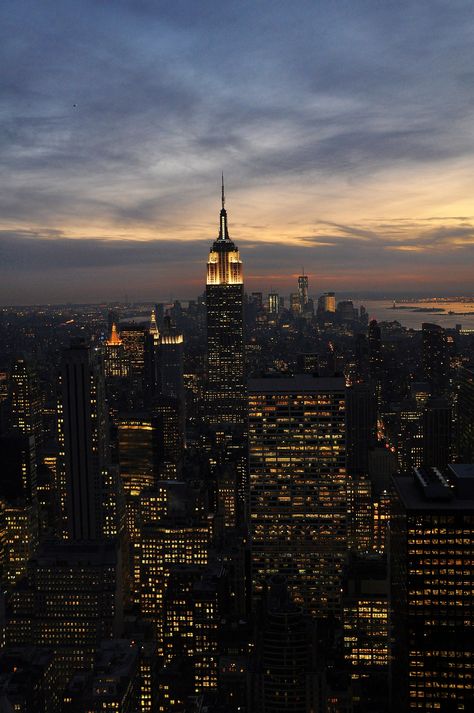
(224, 266)
(154, 331)
(114, 339)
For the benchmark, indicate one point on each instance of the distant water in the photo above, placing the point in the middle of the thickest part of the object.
(382, 311)
(138, 318)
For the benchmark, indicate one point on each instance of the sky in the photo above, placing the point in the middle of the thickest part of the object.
(345, 130)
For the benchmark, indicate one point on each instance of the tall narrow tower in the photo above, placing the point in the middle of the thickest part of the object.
(82, 435)
(225, 328)
(303, 290)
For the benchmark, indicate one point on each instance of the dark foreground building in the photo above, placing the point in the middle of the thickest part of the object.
(432, 578)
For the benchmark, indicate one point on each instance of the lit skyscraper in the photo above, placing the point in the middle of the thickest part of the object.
(138, 459)
(133, 338)
(295, 304)
(329, 302)
(115, 364)
(303, 290)
(225, 332)
(431, 566)
(366, 627)
(298, 486)
(273, 303)
(26, 401)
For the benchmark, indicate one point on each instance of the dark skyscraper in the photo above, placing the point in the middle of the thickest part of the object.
(82, 428)
(171, 362)
(465, 415)
(434, 357)
(285, 655)
(225, 335)
(437, 433)
(375, 351)
(361, 427)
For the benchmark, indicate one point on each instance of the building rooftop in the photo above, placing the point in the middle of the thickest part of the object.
(427, 489)
(296, 384)
(67, 554)
(462, 477)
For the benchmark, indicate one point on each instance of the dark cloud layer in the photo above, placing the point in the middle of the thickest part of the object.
(120, 115)
(348, 257)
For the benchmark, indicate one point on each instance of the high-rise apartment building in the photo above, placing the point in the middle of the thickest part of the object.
(225, 331)
(298, 486)
(432, 580)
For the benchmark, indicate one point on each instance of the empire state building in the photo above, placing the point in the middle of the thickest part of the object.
(225, 328)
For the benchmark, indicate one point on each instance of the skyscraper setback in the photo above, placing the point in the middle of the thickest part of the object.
(225, 328)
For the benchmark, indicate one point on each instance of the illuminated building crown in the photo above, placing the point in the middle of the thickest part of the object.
(154, 331)
(114, 337)
(224, 266)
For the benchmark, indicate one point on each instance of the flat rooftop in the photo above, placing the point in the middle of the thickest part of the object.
(102, 552)
(415, 499)
(296, 384)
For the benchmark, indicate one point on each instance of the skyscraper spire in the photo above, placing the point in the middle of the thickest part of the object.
(224, 301)
(223, 231)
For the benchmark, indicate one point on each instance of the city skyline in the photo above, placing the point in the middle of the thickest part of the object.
(236, 356)
(344, 133)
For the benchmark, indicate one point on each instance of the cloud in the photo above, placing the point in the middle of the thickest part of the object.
(337, 256)
(117, 119)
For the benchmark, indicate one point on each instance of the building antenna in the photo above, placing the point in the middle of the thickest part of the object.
(223, 194)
